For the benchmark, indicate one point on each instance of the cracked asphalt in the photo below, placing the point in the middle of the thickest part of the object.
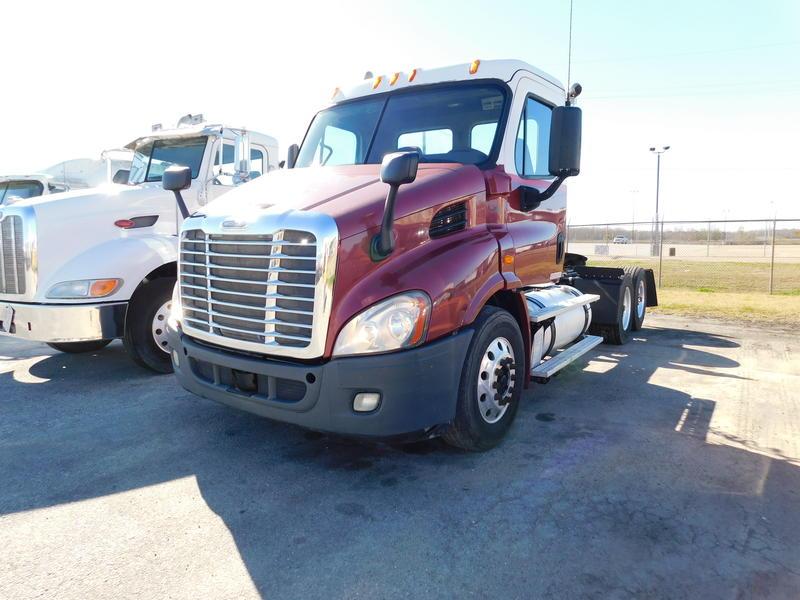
(666, 468)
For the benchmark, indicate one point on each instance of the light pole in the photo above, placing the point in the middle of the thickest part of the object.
(656, 241)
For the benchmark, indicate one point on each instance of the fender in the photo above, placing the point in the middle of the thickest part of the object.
(130, 259)
(459, 272)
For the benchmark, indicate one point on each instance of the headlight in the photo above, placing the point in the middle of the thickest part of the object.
(84, 288)
(393, 324)
(176, 309)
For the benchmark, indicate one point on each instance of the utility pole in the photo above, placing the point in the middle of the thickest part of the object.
(656, 230)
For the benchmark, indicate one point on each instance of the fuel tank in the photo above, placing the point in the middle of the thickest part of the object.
(570, 322)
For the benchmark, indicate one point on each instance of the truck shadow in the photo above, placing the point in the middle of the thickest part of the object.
(619, 476)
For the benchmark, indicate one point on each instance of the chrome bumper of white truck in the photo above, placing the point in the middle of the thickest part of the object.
(62, 322)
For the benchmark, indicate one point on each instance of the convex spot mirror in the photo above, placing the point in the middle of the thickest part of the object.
(176, 178)
(565, 141)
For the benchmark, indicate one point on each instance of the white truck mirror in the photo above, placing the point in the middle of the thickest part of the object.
(241, 157)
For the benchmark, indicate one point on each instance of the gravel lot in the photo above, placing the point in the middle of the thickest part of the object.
(668, 468)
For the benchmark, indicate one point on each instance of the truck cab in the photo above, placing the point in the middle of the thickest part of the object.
(19, 187)
(81, 268)
(409, 274)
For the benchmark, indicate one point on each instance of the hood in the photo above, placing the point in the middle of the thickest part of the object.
(76, 196)
(353, 195)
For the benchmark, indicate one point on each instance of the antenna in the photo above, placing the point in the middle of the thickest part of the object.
(569, 50)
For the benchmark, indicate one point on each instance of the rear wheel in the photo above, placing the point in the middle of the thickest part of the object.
(639, 296)
(79, 347)
(491, 383)
(146, 325)
(617, 332)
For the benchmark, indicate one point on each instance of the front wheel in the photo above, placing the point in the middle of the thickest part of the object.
(145, 336)
(79, 347)
(491, 383)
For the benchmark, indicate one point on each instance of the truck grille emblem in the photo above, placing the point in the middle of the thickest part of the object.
(234, 224)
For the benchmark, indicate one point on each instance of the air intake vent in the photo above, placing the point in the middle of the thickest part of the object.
(448, 220)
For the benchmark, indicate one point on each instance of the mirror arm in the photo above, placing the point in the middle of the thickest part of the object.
(181, 204)
(532, 197)
(383, 243)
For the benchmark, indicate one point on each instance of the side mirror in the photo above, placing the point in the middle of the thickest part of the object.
(398, 168)
(291, 156)
(176, 178)
(565, 141)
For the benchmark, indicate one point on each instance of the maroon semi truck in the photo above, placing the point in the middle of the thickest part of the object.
(407, 275)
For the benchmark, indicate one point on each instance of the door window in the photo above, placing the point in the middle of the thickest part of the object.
(533, 140)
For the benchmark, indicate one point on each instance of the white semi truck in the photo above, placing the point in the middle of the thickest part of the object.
(74, 174)
(81, 268)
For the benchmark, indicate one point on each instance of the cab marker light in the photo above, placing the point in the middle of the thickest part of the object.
(377, 82)
(336, 92)
(394, 78)
(473, 68)
(412, 75)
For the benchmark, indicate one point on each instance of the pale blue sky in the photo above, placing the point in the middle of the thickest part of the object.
(718, 81)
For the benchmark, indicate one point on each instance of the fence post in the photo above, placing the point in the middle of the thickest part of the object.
(708, 240)
(660, 253)
(772, 259)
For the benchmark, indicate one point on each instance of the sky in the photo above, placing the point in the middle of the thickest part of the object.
(717, 81)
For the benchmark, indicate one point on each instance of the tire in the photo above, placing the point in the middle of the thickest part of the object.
(639, 283)
(79, 347)
(139, 339)
(618, 333)
(481, 422)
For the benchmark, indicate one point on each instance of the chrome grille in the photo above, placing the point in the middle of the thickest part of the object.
(255, 288)
(12, 256)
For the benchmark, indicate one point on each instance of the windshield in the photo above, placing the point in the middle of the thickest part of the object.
(19, 190)
(449, 123)
(153, 157)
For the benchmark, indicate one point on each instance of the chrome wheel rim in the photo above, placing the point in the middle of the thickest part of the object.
(640, 299)
(496, 380)
(159, 326)
(626, 309)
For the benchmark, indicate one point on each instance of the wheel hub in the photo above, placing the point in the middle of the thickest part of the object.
(159, 326)
(496, 378)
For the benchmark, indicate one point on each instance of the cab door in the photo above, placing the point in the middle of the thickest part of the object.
(538, 234)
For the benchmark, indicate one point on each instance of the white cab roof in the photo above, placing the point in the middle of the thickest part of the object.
(504, 70)
(203, 129)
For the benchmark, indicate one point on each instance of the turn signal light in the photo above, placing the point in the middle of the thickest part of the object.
(124, 223)
(473, 68)
(102, 287)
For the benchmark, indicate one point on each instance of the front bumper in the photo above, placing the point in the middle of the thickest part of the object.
(418, 387)
(62, 322)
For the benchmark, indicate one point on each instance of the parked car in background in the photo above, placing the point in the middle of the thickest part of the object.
(620, 239)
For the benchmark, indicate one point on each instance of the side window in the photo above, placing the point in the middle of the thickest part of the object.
(433, 141)
(482, 136)
(533, 140)
(256, 161)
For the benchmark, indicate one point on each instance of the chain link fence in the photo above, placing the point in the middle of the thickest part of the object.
(726, 256)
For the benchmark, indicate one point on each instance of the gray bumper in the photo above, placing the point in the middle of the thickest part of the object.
(62, 322)
(418, 387)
